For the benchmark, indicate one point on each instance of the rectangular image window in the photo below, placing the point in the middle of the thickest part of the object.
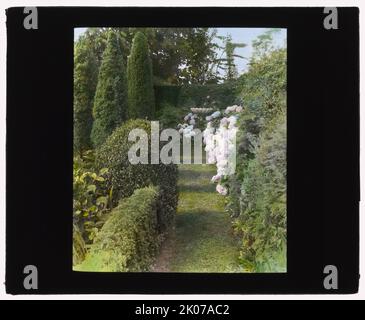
(180, 150)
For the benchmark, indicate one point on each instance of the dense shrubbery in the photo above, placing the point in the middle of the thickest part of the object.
(129, 240)
(91, 203)
(257, 195)
(125, 177)
(262, 201)
(110, 106)
(169, 116)
(141, 96)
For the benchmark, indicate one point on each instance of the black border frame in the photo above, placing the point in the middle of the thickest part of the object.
(323, 150)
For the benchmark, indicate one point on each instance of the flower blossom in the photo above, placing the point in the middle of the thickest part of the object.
(216, 178)
(221, 190)
(216, 114)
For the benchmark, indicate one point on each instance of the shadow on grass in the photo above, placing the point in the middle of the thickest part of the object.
(204, 242)
(185, 187)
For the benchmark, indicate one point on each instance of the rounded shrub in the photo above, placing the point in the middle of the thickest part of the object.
(141, 97)
(124, 177)
(110, 105)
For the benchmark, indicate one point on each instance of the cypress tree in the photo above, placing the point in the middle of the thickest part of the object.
(141, 99)
(85, 79)
(110, 105)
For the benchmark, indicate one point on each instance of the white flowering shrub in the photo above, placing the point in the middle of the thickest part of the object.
(219, 137)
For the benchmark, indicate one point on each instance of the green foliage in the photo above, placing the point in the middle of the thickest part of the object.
(204, 241)
(263, 44)
(216, 96)
(78, 246)
(167, 52)
(129, 239)
(200, 57)
(141, 98)
(98, 38)
(182, 55)
(262, 222)
(85, 79)
(91, 197)
(264, 86)
(169, 116)
(110, 106)
(166, 95)
(146, 195)
(257, 197)
(125, 177)
(227, 63)
(178, 55)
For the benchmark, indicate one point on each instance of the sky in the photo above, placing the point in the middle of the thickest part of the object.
(240, 35)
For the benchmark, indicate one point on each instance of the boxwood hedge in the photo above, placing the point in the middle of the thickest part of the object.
(129, 239)
(124, 177)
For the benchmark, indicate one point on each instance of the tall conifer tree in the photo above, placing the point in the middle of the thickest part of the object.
(141, 99)
(110, 105)
(85, 79)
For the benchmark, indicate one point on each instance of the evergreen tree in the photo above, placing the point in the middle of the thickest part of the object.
(229, 65)
(141, 99)
(85, 79)
(110, 105)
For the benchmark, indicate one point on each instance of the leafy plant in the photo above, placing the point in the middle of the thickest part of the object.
(78, 246)
(169, 116)
(91, 197)
(262, 221)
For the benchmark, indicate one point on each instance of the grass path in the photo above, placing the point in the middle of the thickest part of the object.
(202, 240)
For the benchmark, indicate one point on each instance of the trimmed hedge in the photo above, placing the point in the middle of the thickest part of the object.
(125, 177)
(129, 239)
(220, 95)
(166, 95)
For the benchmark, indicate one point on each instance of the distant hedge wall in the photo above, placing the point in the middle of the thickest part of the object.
(188, 96)
(166, 94)
(129, 240)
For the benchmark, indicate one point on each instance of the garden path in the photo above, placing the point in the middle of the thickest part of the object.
(202, 240)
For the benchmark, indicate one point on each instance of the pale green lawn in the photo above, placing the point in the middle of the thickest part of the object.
(203, 240)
